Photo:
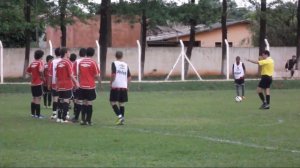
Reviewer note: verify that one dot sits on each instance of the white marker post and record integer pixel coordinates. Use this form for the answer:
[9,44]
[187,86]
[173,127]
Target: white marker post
[183,56]
[139,60]
[50,48]
[1,60]
[267,45]
[227,59]
[98,53]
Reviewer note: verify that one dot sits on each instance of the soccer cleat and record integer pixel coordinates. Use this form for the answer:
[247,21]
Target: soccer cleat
[58,120]
[83,123]
[266,106]
[74,120]
[89,123]
[40,117]
[243,97]
[262,106]
[64,121]
[120,121]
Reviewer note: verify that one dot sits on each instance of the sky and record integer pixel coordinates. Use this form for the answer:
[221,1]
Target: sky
[240,3]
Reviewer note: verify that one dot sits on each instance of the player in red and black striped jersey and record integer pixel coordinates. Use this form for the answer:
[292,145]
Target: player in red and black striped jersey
[65,81]
[120,79]
[88,70]
[47,93]
[35,70]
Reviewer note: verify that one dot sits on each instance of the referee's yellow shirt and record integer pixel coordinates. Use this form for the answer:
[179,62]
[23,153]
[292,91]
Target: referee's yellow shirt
[267,66]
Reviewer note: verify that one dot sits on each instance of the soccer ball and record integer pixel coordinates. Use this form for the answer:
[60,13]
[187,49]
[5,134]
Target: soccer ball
[238,99]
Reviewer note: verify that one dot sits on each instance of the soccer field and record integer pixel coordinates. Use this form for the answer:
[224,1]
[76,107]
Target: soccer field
[172,128]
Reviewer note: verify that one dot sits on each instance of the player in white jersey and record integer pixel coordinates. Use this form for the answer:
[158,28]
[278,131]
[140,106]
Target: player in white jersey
[52,82]
[120,78]
[77,101]
[238,73]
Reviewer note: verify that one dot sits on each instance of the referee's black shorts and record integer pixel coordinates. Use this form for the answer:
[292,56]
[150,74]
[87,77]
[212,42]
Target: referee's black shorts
[265,82]
[37,91]
[118,95]
[87,94]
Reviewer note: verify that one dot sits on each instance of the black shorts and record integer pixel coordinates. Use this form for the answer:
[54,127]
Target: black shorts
[87,94]
[45,89]
[76,93]
[118,95]
[54,93]
[66,94]
[265,82]
[37,91]
[239,81]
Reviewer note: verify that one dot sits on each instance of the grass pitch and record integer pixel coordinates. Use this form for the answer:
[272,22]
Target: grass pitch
[179,127]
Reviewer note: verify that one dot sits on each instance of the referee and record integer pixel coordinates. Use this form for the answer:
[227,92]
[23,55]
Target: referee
[267,70]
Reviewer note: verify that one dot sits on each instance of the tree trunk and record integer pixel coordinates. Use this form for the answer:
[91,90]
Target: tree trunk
[263,26]
[143,37]
[63,6]
[224,36]
[191,43]
[298,35]
[27,13]
[103,36]
[109,31]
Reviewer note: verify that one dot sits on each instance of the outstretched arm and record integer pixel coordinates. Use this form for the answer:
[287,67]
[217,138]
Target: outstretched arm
[252,61]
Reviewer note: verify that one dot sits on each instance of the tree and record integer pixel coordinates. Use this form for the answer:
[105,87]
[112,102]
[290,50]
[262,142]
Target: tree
[66,12]
[143,34]
[224,35]
[205,12]
[298,33]
[27,15]
[191,43]
[263,26]
[104,12]
[63,6]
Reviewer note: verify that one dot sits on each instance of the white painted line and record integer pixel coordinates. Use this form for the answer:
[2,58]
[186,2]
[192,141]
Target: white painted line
[212,139]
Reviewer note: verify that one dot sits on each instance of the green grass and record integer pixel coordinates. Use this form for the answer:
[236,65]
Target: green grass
[179,127]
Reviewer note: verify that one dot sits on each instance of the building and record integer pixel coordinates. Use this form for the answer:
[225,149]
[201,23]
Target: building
[85,34]
[238,33]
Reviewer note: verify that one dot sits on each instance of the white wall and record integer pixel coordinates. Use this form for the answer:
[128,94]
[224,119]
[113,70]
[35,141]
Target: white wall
[159,61]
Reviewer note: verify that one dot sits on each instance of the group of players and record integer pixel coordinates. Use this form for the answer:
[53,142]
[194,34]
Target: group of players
[66,78]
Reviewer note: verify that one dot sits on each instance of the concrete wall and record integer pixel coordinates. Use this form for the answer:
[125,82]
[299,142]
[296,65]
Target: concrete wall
[159,61]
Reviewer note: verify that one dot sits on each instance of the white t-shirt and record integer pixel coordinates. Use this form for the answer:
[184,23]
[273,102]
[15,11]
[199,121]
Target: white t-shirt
[238,70]
[54,65]
[121,72]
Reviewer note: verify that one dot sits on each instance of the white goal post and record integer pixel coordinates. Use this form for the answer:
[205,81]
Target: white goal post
[139,60]
[267,45]
[98,53]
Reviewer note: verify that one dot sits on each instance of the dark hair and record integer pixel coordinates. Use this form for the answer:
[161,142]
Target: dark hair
[63,52]
[294,56]
[48,58]
[266,52]
[90,52]
[38,54]
[82,52]
[57,52]
[73,57]
[119,54]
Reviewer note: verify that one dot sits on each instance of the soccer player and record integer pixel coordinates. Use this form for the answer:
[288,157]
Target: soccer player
[77,101]
[64,84]
[291,65]
[120,79]
[35,70]
[238,72]
[267,70]
[88,71]
[47,93]
[52,82]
